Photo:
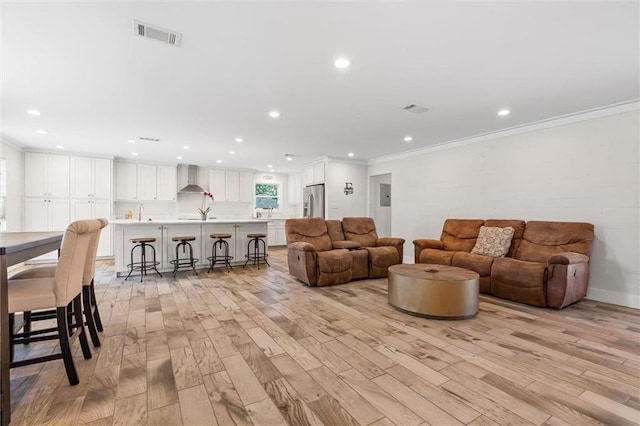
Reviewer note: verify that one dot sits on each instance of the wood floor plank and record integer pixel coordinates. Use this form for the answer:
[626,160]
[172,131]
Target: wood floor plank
[131,411]
[161,384]
[291,406]
[166,416]
[246,383]
[195,406]
[226,403]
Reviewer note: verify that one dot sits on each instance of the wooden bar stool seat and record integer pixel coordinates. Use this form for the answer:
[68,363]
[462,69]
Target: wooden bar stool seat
[143,265]
[185,262]
[256,255]
[220,251]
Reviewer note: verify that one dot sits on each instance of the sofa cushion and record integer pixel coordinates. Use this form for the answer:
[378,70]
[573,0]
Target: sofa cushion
[519,280]
[439,257]
[360,229]
[544,239]
[518,230]
[473,262]
[334,267]
[380,258]
[492,241]
[311,230]
[334,228]
[460,234]
[360,267]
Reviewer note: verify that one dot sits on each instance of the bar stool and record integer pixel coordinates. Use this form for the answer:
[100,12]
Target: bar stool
[144,264]
[257,256]
[185,261]
[223,246]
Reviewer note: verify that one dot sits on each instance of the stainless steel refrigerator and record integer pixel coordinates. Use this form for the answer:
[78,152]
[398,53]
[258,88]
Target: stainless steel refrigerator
[313,201]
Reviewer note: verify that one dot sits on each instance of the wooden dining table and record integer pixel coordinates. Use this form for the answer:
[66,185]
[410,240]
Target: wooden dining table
[16,247]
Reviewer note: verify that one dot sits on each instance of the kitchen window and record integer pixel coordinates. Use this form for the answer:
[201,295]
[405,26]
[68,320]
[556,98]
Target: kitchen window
[267,196]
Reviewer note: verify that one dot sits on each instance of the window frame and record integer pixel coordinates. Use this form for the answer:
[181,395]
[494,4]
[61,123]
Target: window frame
[278,195]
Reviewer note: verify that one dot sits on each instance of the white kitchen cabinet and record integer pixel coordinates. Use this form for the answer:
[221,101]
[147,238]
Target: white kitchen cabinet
[145,182]
[314,174]
[46,214]
[94,209]
[218,185]
[275,233]
[231,186]
[294,188]
[247,190]
[167,182]
[90,177]
[46,175]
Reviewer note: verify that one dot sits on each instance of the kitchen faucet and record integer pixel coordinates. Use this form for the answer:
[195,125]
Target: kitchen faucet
[140,210]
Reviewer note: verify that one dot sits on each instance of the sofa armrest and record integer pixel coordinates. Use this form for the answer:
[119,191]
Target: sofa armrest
[350,245]
[421,244]
[301,246]
[567,258]
[389,241]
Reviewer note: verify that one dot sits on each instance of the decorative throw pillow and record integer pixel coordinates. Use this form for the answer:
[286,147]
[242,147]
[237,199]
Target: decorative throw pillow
[494,242]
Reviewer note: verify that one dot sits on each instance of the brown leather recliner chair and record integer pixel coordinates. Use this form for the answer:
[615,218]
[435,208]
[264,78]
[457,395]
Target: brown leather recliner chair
[311,256]
[383,252]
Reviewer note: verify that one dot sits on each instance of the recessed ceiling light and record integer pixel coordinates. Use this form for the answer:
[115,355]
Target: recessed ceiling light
[408,138]
[289,158]
[178,158]
[218,161]
[41,132]
[34,112]
[270,166]
[232,152]
[60,146]
[504,112]
[239,140]
[134,153]
[185,147]
[274,114]
[131,141]
[341,63]
[351,154]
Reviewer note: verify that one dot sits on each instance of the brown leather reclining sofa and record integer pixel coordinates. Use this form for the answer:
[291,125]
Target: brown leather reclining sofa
[325,252]
[547,263]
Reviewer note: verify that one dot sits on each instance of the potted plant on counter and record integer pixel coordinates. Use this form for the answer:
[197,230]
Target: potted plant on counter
[207,198]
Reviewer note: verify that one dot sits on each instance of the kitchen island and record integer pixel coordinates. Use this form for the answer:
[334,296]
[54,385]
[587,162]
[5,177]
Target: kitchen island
[163,230]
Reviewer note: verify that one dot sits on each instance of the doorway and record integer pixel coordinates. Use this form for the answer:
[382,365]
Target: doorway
[380,203]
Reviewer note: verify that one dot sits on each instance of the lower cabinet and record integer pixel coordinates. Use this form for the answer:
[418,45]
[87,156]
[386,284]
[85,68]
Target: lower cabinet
[166,248]
[276,234]
[89,208]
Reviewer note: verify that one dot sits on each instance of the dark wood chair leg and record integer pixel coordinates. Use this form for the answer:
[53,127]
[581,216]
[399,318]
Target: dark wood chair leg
[94,308]
[65,348]
[27,325]
[82,335]
[12,325]
[88,315]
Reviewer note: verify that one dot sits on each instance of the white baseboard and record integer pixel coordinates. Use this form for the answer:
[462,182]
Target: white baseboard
[614,297]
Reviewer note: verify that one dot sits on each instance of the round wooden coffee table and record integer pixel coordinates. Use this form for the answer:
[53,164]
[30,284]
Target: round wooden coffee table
[434,291]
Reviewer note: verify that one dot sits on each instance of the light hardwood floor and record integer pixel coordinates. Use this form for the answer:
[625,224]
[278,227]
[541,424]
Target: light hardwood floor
[258,347]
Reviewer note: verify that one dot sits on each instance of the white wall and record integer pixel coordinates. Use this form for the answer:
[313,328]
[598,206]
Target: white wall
[582,171]
[340,205]
[381,214]
[15,185]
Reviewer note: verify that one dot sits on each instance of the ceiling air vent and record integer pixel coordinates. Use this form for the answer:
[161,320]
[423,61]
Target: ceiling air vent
[416,108]
[142,138]
[151,31]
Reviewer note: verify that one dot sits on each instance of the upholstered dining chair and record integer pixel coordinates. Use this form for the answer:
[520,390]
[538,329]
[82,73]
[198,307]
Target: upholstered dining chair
[89,304]
[59,291]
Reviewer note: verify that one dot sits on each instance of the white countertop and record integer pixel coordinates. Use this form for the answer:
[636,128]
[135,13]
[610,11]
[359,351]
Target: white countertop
[184,221]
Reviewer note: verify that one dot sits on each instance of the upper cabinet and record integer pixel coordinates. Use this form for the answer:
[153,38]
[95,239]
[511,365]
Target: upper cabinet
[231,186]
[145,182]
[313,174]
[294,186]
[90,177]
[46,175]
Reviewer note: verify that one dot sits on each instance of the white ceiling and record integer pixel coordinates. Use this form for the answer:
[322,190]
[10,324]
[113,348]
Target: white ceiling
[97,85]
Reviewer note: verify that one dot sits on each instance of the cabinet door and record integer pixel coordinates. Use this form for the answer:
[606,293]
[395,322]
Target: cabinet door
[102,209]
[58,176]
[167,183]
[233,186]
[318,173]
[147,182]
[102,178]
[126,181]
[59,214]
[36,215]
[294,189]
[35,175]
[247,190]
[218,185]
[308,175]
[82,209]
[82,177]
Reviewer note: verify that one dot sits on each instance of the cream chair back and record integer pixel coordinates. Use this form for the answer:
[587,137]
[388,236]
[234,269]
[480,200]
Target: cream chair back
[90,264]
[73,254]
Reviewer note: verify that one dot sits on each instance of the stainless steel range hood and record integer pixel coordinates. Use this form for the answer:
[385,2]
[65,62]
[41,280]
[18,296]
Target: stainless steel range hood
[191,186]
